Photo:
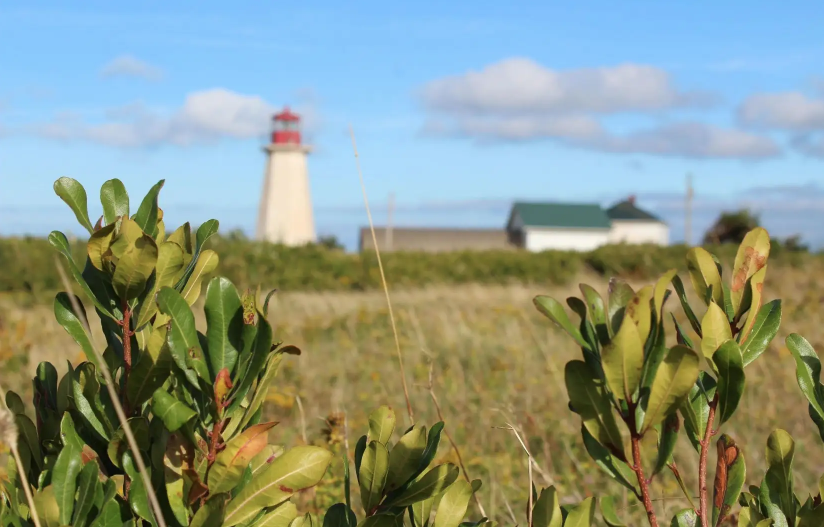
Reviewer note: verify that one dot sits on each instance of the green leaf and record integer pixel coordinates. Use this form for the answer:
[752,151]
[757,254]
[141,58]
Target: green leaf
[212,513]
[616,469]
[685,518]
[756,286]
[169,263]
[146,215]
[421,512]
[695,409]
[230,463]
[204,232]
[619,295]
[405,457]
[751,257]
[84,406]
[58,241]
[597,312]
[660,293]
[429,485]
[206,263]
[731,379]
[590,401]
[88,484]
[379,520]
[66,469]
[381,425]
[262,388]
[182,338]
[779,478]
[675,377]
[666,442]
[715,330]
[115,200]
[138,497]
[261,348]
[73,193]
[170,410]
[66,317]
[99,248]
[151,370]
[339,515]
[47,508]
[297,469]
[731,472]
[554,311]
[547,509]
[685,305]
[224,316]
[360,449]
[623,360]
[583,515]
[608,513]
[808,375]
[764,328]
[134,268]
[453,504]
[372,474]
[284,513]
[639,309]
[704,274]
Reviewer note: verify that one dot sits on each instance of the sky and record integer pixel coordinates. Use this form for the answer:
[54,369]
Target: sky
[458,108]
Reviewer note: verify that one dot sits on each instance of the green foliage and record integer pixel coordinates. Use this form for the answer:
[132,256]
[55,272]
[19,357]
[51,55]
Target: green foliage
[399,479]
[191,400]
[28,264]
[731,227]
[632,384]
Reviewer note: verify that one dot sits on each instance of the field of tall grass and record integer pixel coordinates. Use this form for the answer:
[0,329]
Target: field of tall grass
[482,358]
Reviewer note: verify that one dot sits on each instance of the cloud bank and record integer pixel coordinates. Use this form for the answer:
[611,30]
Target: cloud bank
[129,66]
[518,99]
[204,117]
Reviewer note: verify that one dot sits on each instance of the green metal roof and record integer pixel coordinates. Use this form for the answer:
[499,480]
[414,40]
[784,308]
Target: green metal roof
[626,210]
[563,215]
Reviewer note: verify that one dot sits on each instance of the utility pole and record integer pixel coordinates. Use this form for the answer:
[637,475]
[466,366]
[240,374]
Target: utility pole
[390,205]
[688,212]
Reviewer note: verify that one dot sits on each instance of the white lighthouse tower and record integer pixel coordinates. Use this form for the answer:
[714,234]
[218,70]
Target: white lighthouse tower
[285,214]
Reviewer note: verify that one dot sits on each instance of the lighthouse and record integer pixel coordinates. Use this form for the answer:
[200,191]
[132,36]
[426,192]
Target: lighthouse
[285,213]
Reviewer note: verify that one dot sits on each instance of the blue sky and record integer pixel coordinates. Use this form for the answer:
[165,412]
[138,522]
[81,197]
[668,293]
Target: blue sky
[458,107]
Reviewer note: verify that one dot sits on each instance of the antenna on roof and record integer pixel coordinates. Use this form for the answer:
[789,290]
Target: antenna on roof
[688,212]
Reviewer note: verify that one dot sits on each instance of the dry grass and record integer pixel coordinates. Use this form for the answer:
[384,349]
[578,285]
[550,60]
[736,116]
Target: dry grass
[496,361]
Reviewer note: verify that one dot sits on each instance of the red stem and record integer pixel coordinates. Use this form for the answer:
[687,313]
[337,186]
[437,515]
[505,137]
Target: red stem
[703,513]
[642,481]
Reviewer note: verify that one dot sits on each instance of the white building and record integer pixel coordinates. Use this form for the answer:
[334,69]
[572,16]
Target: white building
[582,226]
[285,213]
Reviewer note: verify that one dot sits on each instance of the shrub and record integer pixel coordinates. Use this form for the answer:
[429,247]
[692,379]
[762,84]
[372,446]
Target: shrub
[164,427]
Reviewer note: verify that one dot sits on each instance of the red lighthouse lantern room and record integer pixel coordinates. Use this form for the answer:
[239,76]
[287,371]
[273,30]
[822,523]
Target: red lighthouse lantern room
[286,128]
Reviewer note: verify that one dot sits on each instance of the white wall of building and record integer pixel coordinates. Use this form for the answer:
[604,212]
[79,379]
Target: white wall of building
[285,214]
[542,239]
[637,231]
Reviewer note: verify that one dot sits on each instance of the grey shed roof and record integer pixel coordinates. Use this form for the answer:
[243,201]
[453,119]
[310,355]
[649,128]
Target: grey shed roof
[561,215]
[626,210]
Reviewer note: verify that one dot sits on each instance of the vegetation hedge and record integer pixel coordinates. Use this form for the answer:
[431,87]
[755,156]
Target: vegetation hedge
[28,264]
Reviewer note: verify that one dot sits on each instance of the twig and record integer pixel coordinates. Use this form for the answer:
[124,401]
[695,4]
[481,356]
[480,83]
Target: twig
[642,481]
[451,441]
[12,441]
[302,420]
[383,278]
[121,415]
[703,513]
[529,469]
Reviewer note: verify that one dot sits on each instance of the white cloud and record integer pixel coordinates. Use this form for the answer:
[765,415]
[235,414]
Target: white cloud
[518,99]
[522,85]
[788,111]
[129,66]
[205,117]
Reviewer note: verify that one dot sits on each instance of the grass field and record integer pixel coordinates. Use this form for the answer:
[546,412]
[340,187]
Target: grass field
[494,361]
